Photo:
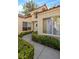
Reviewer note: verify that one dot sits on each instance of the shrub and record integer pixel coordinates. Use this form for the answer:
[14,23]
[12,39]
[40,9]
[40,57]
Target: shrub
[24,33]
[46,40]
[25,50]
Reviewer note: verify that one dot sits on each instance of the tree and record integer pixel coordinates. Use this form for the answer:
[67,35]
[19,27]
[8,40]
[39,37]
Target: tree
[29,6]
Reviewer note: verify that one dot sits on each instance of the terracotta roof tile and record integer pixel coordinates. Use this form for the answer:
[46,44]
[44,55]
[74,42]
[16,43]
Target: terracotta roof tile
[22,16]
[49,9]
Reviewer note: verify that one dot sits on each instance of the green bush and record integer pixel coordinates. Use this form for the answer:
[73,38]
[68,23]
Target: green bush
[24,33]
[25,50]
[47,40]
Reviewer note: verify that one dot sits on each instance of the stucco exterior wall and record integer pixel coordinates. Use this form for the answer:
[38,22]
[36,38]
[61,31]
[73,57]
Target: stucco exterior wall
[20,20]
[29,19]
[37,10]
[20,23]
[47,14]
[39,19]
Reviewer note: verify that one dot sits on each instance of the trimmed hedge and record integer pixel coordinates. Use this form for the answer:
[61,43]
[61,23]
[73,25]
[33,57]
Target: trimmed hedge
[25,50]
[46,40]
[24,33]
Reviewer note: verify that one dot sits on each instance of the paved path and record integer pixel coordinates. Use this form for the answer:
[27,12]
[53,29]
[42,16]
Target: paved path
[41,51]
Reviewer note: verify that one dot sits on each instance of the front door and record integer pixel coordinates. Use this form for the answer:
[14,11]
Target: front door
[35,26]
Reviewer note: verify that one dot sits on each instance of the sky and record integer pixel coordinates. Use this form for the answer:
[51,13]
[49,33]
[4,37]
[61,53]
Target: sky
[49,3]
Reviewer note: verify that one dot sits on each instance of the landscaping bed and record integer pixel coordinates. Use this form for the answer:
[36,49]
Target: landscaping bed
[46,40]
[24,33]
[25,50]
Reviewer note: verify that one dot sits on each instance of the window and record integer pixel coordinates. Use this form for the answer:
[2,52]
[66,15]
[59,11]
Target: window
[44,26]
[47,26]
[26,26]
[56,28]
[51,25]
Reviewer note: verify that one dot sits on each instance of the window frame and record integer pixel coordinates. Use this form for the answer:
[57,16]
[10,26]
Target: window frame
[25,27]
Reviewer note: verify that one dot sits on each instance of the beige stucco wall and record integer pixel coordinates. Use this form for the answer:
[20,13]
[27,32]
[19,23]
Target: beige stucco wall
[37,10]
[20,22]
[41,16]
[47,14]
[29,19]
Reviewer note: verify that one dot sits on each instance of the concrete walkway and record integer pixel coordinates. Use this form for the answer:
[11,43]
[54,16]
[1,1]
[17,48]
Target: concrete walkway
[41,51]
